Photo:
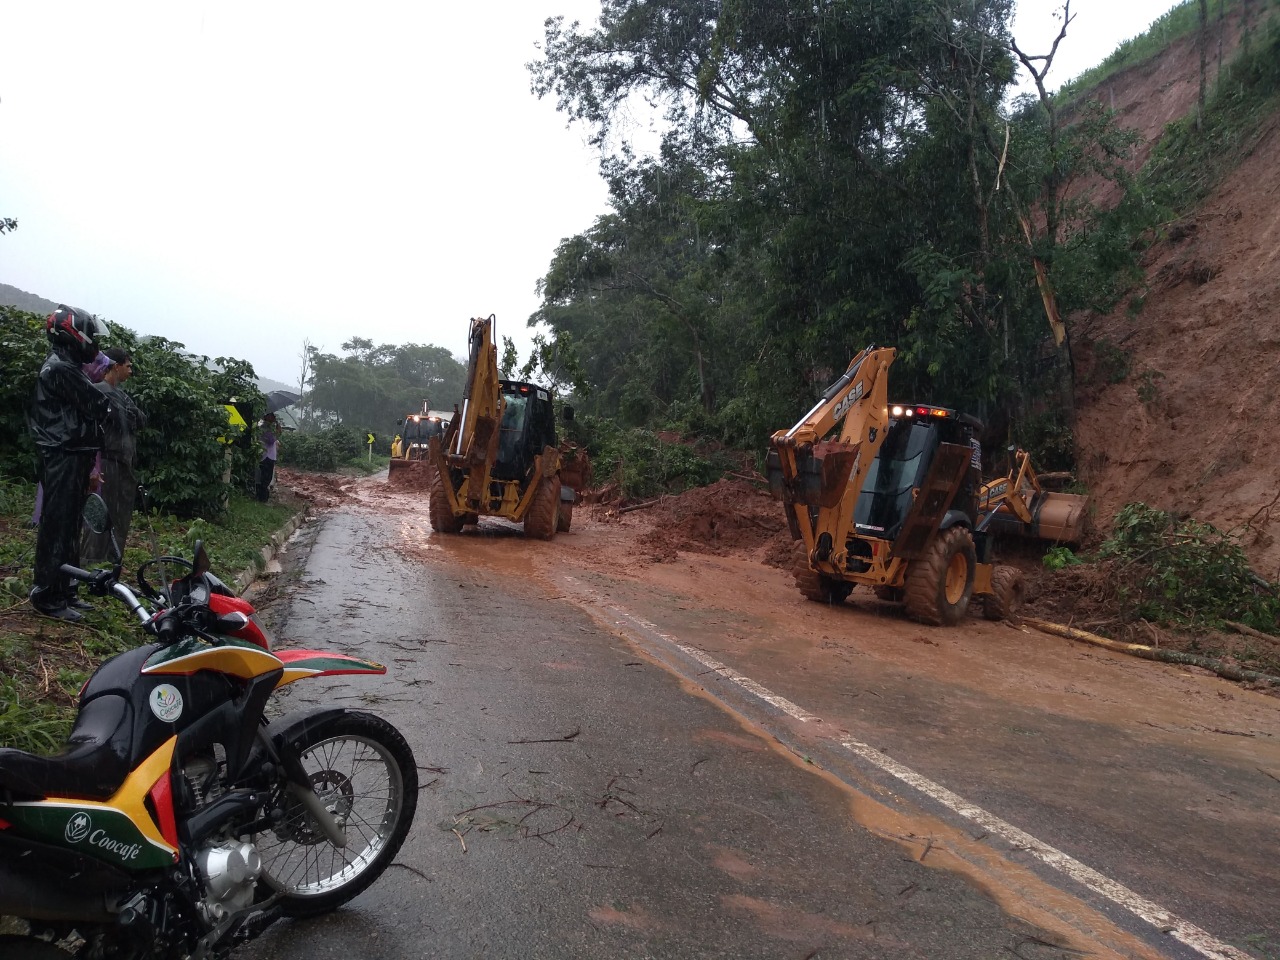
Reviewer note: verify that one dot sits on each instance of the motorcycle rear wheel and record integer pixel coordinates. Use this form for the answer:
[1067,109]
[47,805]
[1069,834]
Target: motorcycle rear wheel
[363,770]
[30,948]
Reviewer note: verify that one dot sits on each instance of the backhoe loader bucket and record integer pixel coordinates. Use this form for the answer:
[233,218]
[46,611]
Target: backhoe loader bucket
[408,473]
[1055,517]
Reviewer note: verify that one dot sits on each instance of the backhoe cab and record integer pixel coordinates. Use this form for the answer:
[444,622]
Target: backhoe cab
[890,502]
[499,455]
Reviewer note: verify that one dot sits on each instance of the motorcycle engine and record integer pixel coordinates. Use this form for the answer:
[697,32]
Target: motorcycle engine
[230,871]
[230,868]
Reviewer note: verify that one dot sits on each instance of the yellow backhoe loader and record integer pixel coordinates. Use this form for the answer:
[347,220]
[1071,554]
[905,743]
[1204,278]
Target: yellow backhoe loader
[410,467]
[887,496]
[499,455]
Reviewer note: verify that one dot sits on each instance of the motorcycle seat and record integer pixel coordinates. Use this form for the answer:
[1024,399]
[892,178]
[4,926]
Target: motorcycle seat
[92,765]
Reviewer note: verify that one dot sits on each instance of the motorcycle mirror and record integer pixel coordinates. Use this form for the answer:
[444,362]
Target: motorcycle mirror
[96,515]
[200,562]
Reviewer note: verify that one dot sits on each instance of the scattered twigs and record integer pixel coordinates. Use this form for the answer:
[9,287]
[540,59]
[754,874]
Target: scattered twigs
[405,866]
[460,840]
[565,739]
[643,505]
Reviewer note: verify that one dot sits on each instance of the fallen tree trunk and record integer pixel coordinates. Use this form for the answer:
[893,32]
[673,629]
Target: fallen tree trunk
[1228,670]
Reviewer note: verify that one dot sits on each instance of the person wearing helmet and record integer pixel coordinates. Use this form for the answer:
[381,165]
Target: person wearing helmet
[66,424]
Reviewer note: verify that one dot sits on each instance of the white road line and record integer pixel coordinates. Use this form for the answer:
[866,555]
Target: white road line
[1188,933]
[1195,938]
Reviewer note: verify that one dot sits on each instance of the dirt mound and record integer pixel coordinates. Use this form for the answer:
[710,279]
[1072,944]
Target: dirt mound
[321,490]
[728,517]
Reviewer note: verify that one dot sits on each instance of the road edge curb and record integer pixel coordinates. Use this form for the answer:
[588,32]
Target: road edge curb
[268,553]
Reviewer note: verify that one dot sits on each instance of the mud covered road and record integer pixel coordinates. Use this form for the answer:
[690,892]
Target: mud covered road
[632,751]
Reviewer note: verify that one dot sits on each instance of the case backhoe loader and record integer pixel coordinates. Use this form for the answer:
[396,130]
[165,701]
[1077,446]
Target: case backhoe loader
[499,455]
[889,502]
[416,431]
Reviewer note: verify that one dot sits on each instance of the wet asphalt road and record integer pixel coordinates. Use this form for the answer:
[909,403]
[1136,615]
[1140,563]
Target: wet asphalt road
[580,800]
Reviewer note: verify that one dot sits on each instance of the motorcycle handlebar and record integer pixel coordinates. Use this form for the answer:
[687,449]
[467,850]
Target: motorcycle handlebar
[103,582]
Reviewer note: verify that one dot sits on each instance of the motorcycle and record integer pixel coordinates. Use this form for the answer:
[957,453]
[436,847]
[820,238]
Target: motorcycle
[179,821]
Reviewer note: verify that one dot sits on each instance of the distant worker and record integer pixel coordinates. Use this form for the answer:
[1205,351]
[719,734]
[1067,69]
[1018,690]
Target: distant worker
[66,425]
[270,449]
[396,448]
[119,450]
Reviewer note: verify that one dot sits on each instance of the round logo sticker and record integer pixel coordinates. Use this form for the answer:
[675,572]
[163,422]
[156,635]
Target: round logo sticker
[166,702]
[78,827]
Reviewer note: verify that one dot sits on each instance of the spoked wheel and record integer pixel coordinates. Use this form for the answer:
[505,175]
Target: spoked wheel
[363,771]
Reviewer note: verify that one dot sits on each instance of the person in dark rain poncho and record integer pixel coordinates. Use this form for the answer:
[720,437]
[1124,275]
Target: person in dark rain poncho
[119,445]
[66,424]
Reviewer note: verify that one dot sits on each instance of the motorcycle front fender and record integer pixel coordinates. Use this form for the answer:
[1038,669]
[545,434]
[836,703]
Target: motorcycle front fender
[300,664]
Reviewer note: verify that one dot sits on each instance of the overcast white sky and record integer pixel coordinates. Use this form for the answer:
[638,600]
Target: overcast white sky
[241,176]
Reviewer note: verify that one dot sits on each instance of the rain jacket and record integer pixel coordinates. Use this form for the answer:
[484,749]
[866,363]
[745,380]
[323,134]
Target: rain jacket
[68,411]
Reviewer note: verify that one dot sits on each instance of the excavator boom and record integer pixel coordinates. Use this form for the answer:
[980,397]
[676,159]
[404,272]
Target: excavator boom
[808,470]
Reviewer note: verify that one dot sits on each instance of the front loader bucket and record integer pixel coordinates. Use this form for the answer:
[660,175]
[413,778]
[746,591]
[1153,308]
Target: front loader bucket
[408,473]
[1055,517]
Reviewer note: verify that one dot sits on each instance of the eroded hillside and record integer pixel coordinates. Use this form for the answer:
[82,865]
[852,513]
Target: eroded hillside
[1186,419]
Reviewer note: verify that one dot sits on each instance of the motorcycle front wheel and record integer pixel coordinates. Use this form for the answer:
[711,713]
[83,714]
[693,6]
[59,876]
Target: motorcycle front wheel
[363,771]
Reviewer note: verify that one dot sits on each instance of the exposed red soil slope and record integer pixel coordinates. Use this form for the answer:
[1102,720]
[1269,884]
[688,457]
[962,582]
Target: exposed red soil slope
[1191,428]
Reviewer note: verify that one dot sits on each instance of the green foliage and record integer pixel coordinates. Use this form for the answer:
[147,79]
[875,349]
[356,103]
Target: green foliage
[369,388]
[1182,571]
[180,458]
[23,348]
[1189,162]
[1057,558]
[1047,436]
[323,450]
[28,722]
[642,463]
[830,184]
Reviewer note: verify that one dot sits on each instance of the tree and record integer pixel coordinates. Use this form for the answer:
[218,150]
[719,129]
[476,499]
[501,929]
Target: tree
[371,387]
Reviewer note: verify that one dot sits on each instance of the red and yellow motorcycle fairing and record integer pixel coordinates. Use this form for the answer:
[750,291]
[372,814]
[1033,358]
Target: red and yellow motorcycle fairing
[300,664]
[240,658]
[119,830]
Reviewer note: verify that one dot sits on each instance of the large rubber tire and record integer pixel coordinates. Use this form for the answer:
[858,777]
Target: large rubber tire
[940,583]
[363,770]
[888,594]
[442,517]
[1008,591]
[541,520]
[29,948]
[564,519]
[816,586]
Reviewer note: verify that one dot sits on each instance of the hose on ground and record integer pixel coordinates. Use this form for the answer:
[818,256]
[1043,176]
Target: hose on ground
[1226,670]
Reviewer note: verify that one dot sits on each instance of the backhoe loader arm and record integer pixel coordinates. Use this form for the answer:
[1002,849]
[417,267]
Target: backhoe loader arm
[471,442]
[818,479]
